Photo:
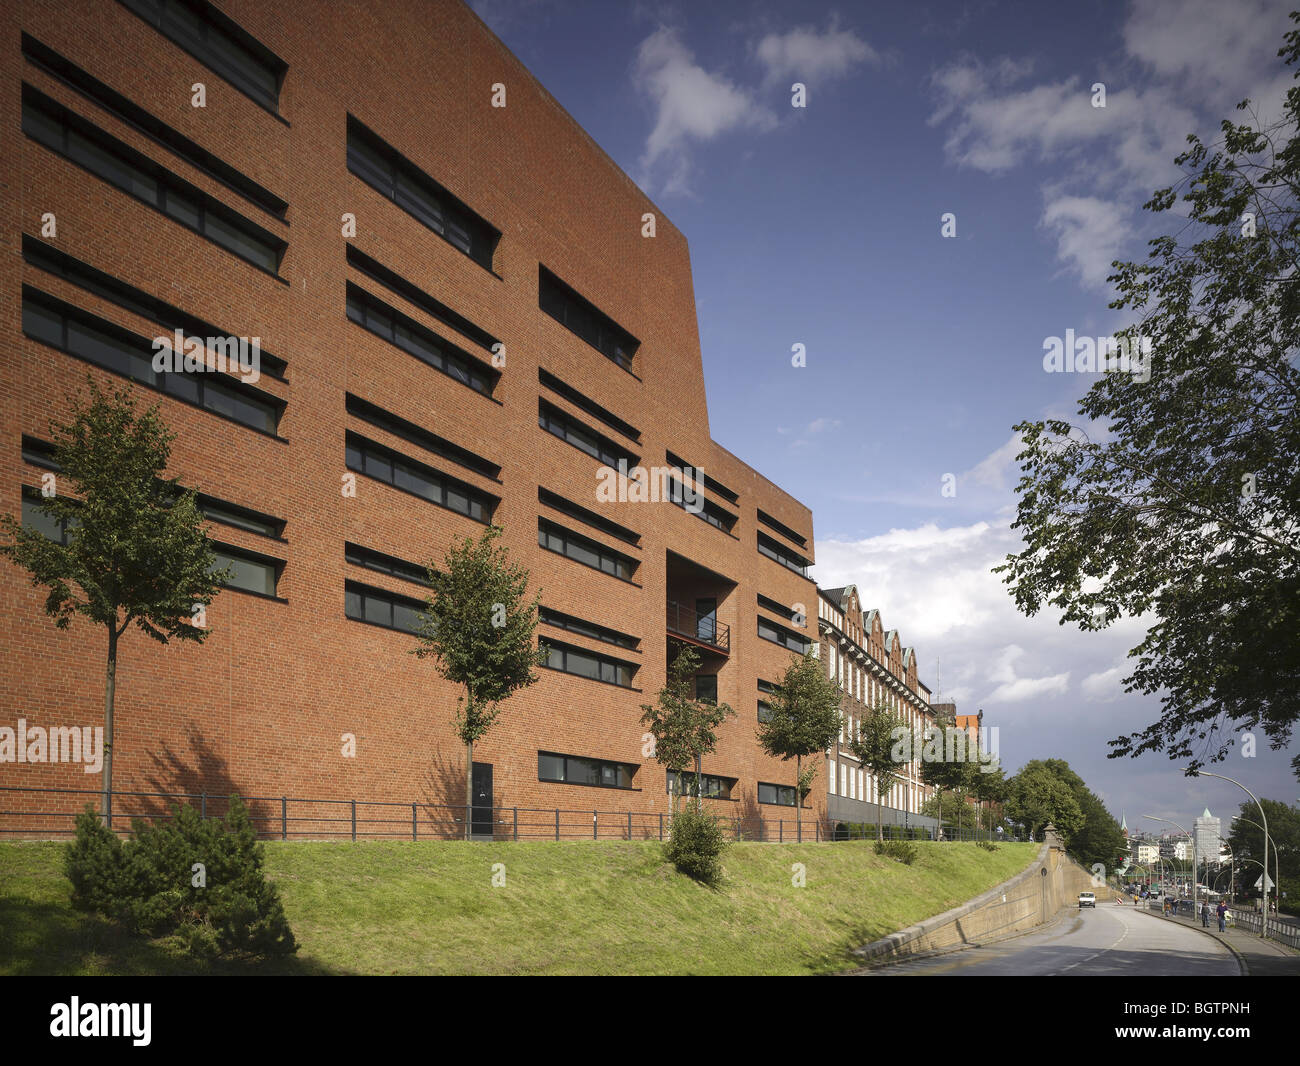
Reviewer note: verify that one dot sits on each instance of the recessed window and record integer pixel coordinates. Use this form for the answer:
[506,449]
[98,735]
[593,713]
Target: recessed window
[582,437]
[100,342]
[583,318]
[53,125]
[694,504]
[362,603]
[711,786]
[586,403]
[582,550]
[36,518]
[764,711]
[249,572]
[568,507]
[780,635]
[417,435]
[568,622]
[787,558]
[374,460]
[706,688]
[575,770]
[385,564]
[781,795]
[570,660]
[781,528]
[380,166]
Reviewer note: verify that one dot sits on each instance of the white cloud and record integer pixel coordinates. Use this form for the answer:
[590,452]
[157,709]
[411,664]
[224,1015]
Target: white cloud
[1090,233]
[692,105]
[1106,686]
[805,55]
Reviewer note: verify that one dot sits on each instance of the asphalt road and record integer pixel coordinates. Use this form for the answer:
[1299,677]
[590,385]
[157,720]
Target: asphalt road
[1108,941]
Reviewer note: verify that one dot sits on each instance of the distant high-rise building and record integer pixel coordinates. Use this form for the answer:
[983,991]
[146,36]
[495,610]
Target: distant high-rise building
[1205,831]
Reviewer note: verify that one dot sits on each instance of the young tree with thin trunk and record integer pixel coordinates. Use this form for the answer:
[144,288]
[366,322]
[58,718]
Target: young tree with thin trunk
[805,720]
[130,547]
[683,727]
[882,745]
[479,627]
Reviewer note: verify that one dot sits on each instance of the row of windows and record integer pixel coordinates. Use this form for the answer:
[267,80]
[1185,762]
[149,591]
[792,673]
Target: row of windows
[53,125]
[219,43]
[374,460]
[397,284]
[393,326]
[573,770]
[570,430]
[715,487]
[711,786]
[586,403]
[781,528]
[409,431]
[776,607]
[781,795]
[588,629]
[111,100]
[581,550]
[137,301]
[780,635]
[91,338]
[583,318]
[365,604]
[570,660]
[708,510]
[380,166]
[605,525]
[385,564]
[250,572]
[783,555]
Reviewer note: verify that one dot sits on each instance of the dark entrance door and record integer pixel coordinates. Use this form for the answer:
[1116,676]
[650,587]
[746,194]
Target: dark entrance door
[706,621]
[481,785]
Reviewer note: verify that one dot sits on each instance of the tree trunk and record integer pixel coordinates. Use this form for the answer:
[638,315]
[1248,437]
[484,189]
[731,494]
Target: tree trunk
[469,786]
[798,798]
[880,832]
[110,687]
[699,784]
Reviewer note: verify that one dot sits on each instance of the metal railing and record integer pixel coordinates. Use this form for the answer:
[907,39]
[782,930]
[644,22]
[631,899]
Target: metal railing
[702,627]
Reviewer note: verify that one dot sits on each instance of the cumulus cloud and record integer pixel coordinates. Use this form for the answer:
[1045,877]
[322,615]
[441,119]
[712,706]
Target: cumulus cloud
[1106,686]
[803,54]
[1090,234]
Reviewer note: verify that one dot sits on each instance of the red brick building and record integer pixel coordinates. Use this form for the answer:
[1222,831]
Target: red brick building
[465,311]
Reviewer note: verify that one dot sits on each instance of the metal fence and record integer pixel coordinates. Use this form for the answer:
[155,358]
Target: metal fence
[43,813]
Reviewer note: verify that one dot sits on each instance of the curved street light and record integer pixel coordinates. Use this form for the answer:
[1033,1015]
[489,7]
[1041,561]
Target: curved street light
[1263,923]
[1193,840]
[1277,863]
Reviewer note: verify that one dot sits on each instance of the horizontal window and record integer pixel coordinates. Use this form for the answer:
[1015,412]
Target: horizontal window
[764,711]
[769,687]
[108,346]
[396,283]
[230,514]
[218,43]
[573,770]
[111,100]
[787,558]
[780,635]
[715,487]
[588,629]
[53,125]
[569,429]
[362,603]
[784,530]
[381,167]
[701,508]
[585,403]
[570,660]
[581,550]
[385,564]
[249,572]
[583,318]
[778,608]
[409,431]
[36,518]
[706,688]
[711,786]
[128,297]
[374,460]
[568,507]
[405,333]
[39,453]
[782,795]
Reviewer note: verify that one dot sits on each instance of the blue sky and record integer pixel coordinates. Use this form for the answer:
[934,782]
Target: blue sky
[822,226]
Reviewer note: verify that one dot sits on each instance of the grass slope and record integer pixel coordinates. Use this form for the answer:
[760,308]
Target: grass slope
[567,908]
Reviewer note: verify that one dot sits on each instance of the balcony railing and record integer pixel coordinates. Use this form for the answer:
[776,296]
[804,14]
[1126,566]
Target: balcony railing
[702,628]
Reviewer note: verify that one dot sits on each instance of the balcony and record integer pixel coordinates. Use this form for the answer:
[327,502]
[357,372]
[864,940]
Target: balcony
[702,629]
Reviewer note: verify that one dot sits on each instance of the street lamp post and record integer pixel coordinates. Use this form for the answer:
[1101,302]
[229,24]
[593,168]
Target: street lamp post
[1277,863]
[1193,840]
[1263,925]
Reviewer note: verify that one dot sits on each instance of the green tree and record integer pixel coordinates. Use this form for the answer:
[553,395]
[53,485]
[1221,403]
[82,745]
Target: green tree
[683,727]
[805,720]
[479,627]
[1037,796]
[938,770]
[882,745]
[1247,842]
[132,547]
[1178,498]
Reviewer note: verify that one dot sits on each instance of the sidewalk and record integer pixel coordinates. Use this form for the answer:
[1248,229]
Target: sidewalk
[1259,957]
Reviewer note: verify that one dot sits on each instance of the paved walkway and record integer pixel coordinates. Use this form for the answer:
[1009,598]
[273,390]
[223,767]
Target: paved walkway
[1259,957]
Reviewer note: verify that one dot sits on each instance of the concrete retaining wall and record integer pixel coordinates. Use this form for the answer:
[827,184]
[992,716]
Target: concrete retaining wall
[1029,899]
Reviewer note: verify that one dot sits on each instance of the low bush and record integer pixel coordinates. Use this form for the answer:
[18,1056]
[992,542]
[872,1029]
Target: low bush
[199,879]
[695,845]
[987,845]
[903,851]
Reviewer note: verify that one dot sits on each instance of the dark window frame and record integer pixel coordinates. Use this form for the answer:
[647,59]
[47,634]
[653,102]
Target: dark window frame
[383,563]
[565,650]
[592,630]
[547,528]
[380,418]
[586,403]
[559,423]
[562,302]
[446,482]
[598,764]
[780,790]
[567,507]
[370,592]
[782,555]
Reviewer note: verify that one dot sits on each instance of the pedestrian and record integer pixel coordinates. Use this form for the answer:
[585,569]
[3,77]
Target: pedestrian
[1205,915]
[1221,910]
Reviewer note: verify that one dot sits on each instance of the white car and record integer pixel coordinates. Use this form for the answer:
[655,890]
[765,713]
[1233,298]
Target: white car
[1088,899]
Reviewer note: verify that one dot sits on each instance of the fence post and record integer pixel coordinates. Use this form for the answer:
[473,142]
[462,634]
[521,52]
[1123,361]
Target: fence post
[629,825]
[284,818]
[354,819]
[661,825]
[203,806]
[413,830]
[760,829]
[780,831]
[595,823]
[109,817]
[516,823]
[557,823]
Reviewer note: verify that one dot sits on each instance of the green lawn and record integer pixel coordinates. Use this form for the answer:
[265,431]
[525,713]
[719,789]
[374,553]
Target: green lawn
[567,908]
